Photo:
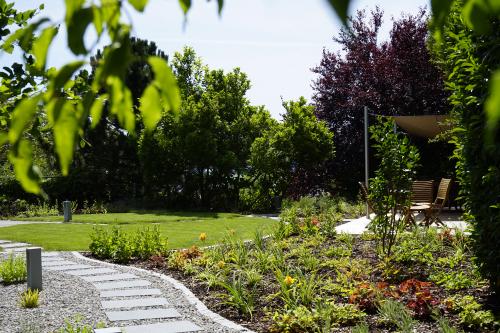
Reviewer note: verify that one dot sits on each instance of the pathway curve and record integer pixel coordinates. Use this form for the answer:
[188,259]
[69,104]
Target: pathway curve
[134,300]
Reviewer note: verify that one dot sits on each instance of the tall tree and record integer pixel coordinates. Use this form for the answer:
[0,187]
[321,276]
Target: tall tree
[394,77]
[299,145]
[106,166]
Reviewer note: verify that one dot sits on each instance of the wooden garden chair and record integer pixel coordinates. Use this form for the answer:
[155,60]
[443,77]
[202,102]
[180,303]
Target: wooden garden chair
[421,200]
[432,214]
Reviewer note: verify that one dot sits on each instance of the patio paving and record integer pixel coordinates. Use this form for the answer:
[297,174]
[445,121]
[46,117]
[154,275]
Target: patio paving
[358,226]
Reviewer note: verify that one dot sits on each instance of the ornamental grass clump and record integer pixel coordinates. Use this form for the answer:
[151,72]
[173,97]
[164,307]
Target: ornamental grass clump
[29,299]
[390,188]
[13,270]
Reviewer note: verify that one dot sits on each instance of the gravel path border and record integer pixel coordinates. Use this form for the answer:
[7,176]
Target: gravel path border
[184,292]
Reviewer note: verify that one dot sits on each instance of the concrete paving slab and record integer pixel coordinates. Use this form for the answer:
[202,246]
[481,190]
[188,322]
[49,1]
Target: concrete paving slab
[12,245]
[134,303]
[67,267]
[354,227]
[92,271]
[121,284]
[110,277]
[52,259]
[170,327]
[130,292]
[58,263]
[142,314]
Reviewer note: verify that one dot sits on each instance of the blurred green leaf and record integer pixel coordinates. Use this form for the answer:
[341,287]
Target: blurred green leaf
[220,4]
[138,4]
[185,5]
[41,46]
[22,116]
[151,107]
[440,11]
[96,110]
[77,26]
[64,75]
[64,118]
[97,19]
[21,157]
[341,7]
[121,103]
[492,104]
[477,16]
[165,81]
[114,62]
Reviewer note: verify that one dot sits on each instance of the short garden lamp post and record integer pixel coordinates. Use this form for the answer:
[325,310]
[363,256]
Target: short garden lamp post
[67,210]
[34,268]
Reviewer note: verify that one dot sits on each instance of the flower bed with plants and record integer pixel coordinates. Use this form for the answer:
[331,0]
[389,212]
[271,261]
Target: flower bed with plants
[306,278]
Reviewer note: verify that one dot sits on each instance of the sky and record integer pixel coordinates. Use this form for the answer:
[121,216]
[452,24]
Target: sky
[276,42]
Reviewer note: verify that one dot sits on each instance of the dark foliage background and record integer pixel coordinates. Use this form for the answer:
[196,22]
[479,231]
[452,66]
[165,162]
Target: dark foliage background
[393,77]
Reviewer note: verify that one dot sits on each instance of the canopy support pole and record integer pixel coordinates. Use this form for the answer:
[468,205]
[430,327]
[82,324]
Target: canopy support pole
[366,158]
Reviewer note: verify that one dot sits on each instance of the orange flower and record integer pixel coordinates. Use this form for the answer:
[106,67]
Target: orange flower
[289,280]
[203,236]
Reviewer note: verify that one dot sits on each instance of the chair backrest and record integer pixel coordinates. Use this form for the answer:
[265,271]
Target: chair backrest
[422,191]
[443,191]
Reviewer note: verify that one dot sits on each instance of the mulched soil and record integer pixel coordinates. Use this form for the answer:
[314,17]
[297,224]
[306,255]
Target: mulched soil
[362,250]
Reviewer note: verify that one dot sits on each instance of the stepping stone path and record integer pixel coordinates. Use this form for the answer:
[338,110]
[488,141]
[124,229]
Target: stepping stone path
[124,296]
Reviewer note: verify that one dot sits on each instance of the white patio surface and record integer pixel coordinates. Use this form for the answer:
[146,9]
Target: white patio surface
[358,226]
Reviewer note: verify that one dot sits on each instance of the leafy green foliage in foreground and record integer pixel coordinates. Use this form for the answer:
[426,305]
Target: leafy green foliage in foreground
[467,59]
[182,229]
[13,270]
[307,278]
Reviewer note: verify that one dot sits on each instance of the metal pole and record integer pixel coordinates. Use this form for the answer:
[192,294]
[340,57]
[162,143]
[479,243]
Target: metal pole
[366,157]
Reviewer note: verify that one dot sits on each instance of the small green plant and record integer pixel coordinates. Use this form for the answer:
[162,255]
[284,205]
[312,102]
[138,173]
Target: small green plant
[76,325]
[29,299]
[396,314]
[470,312]
[444,324]
[361,328]
[238,296]
[13,269]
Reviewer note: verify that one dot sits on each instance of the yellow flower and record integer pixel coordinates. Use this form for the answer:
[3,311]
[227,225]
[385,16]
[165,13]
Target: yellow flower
[221,264]
[289,280]
[203,236]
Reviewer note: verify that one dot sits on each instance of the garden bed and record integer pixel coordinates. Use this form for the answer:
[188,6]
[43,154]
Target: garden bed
[312,281]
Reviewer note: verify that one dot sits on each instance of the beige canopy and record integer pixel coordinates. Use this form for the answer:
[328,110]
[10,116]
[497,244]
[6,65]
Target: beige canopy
[424,126]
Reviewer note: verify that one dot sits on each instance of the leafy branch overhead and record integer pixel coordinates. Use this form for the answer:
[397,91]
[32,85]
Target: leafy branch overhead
[48,93]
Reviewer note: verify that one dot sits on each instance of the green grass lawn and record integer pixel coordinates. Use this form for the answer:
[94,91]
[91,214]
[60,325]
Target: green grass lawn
[181,228]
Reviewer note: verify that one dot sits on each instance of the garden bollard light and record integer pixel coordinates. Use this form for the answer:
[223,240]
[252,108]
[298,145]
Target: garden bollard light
[34,267]
[67,210]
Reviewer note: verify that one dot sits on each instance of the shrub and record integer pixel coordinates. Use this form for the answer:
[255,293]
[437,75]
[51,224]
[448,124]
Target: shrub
[13,269]
[390,189]
[29,299]
[120,246]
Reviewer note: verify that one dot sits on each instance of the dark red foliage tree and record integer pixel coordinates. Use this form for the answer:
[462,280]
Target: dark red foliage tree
[394,77]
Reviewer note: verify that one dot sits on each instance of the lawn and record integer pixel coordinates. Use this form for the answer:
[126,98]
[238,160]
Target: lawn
[181,228]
